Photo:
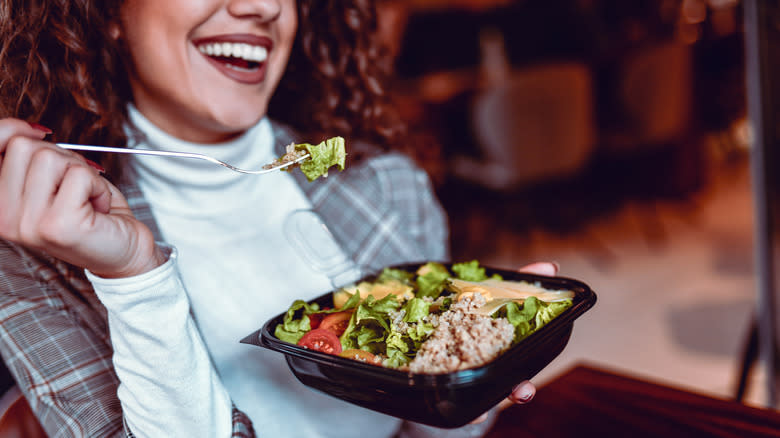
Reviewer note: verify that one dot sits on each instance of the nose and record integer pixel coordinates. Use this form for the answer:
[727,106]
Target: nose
[265,10]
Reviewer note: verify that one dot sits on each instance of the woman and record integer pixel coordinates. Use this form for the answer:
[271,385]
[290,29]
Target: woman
[123,300]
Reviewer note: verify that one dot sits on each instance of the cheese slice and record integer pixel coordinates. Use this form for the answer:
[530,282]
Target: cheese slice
[377,290]
[498,293]
[491,306]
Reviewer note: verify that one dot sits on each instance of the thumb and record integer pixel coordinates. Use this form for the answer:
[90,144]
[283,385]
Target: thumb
[101,195]
[117,201]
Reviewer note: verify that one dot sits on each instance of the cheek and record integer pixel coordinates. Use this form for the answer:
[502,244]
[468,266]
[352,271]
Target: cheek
[287,29]
[160,62]
[164,81]
[160,65]
[287,26]
[229,107]
[156,34]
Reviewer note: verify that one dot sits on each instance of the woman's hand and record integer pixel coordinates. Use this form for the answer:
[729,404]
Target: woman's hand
[525,391]
[54,201]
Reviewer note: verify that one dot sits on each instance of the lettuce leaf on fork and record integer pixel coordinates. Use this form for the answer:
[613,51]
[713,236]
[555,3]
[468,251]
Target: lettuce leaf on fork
[330,152]
[322,157]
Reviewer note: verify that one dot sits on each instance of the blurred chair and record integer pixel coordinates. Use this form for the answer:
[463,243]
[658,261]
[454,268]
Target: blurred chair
[531,124]
[652,98]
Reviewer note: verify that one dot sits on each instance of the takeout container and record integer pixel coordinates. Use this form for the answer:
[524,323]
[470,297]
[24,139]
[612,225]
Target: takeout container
[442,400]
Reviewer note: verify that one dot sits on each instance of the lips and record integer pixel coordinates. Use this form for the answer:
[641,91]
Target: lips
[241,57]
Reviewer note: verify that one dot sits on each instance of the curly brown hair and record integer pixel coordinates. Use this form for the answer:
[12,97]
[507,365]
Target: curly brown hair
[60,67]
[337,70]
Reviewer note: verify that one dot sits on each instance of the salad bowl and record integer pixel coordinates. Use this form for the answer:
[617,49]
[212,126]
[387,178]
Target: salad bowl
[445,400]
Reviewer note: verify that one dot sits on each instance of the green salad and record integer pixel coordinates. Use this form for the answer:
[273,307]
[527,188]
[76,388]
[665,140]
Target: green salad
[412,320]
[322,157]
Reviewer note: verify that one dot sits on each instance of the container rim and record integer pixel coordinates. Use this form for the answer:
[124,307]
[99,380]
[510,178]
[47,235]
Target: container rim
[584,299]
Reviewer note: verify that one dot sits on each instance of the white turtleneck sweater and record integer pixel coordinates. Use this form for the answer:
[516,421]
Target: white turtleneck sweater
[176,329]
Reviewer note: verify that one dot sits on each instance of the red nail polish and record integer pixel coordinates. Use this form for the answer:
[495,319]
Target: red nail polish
[40,127]
[96,166]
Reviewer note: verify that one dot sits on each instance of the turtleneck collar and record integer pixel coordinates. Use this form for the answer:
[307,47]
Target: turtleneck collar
[186,183]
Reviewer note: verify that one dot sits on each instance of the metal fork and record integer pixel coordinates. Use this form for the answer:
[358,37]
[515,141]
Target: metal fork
[267,168]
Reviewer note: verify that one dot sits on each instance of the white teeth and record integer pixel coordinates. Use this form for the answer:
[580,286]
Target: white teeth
[259,53]
[235,50]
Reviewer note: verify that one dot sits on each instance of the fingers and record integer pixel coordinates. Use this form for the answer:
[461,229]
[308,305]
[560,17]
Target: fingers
[480,419]
[542,268]
[505,403]
[10,128]
[118,202]
[83,196]
[55,200]
[523,393]
[79,187]
[31,177]
[16,139]
[36,189]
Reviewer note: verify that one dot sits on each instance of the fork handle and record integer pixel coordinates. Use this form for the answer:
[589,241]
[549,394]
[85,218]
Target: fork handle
[82,147]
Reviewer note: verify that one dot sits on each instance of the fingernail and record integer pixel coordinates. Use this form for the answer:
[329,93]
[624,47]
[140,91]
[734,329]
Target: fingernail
[96,166]
[525,393]
[40,127]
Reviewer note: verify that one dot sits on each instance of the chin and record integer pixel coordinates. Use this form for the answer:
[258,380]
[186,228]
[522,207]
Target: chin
[239,119]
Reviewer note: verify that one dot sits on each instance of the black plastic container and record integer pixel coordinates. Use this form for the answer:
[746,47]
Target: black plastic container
[441,400]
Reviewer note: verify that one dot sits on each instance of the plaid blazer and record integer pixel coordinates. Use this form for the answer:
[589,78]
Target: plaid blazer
[54,331]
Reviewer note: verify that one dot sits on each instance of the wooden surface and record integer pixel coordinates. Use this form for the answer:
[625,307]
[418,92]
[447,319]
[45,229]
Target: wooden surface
[590,402]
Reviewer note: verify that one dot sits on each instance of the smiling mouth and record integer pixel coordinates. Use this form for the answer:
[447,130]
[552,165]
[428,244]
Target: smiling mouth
[237,56]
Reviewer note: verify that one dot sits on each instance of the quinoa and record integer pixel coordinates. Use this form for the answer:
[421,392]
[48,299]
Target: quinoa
[291,154]
[462,339]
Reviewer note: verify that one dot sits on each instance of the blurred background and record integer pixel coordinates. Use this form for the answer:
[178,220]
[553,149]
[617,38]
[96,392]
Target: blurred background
[608,136]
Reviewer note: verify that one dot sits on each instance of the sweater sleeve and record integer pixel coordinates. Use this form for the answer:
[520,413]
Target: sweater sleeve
[168,385]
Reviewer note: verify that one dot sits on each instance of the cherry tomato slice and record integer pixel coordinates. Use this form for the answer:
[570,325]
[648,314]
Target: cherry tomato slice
[336,322]
[361,355]
[321,340]
[315,319]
